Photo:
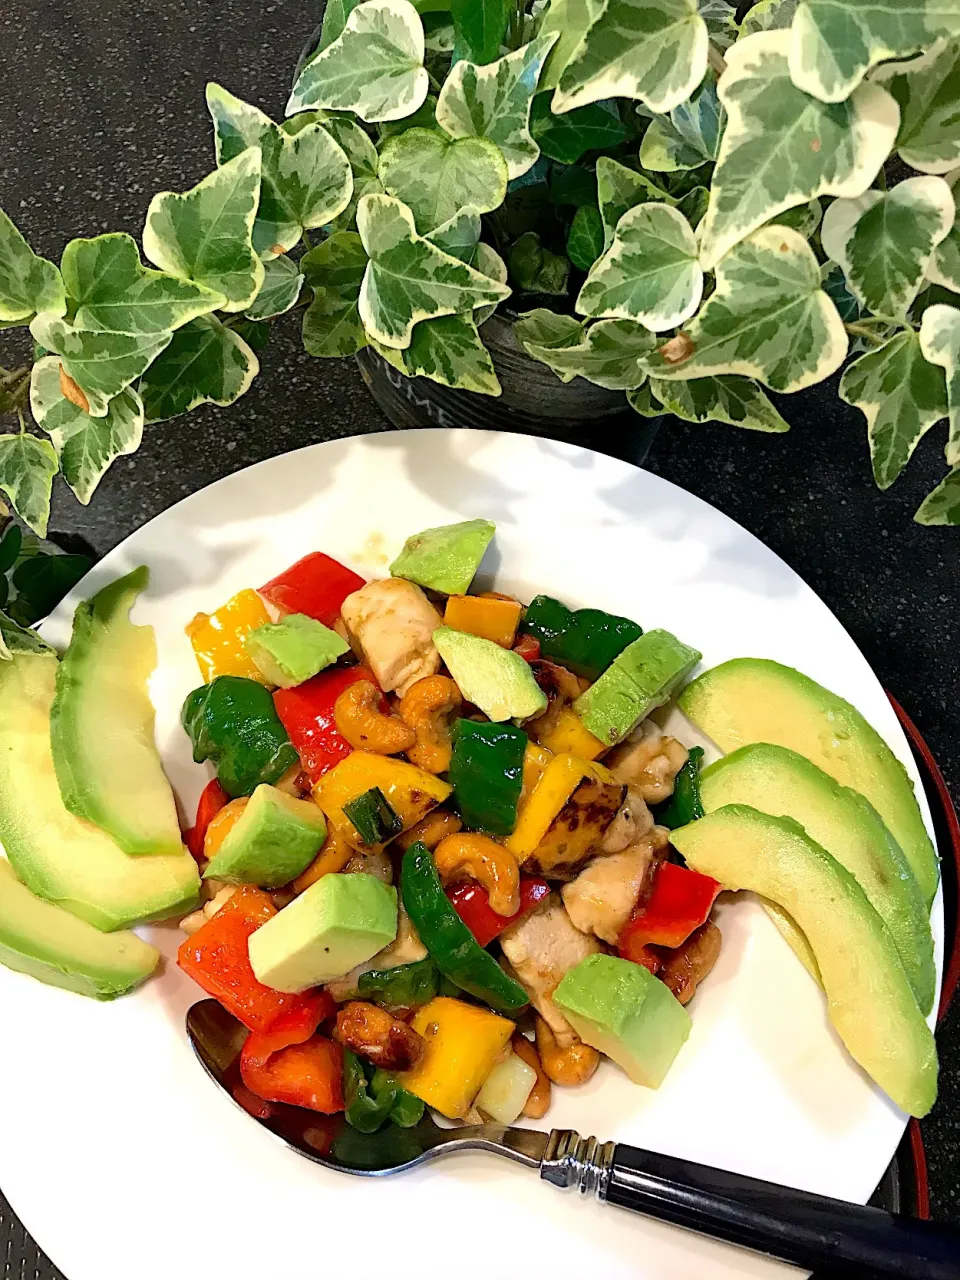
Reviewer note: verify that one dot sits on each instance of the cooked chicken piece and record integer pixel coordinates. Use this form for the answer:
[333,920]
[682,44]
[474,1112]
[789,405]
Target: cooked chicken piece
[541,948]
[633,821]
[391,625]
[372,864]
[605,892]
[404,949]
[648,760]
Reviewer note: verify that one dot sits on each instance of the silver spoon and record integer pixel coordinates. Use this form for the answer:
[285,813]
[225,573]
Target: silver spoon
[795,1226]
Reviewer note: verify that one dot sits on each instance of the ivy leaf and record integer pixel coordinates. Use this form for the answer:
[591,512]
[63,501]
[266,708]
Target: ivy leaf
[436,176]
[335,269]
[689,135]
[929,98]
[480,26]
[335,15]
[373,68]
[654,50]
[205,235]
[804,218]
[459,236]
[606,353]
[489,263]
[449,351]
[279,292]
[944,266]
[620,189]
[834,285]
[306,179]
[644,402]
[408,279]
[10,545]
[425,117]
[769,15]
[737,401]
[101,364]
[41,583]
[573,184]
[17,639]
[567,137]
[206,363]
[543,331]
[901,395]
[355,143]
[940,344]
[585,238]
[781,147]
[942,506]
[649,274]
[85,446]
[884,241]
[537,269]
[27,468]
[694,205]
[114,293]
[570,20]
[836,42]
[494,102]
[721,20]
[28,283]
[768,319]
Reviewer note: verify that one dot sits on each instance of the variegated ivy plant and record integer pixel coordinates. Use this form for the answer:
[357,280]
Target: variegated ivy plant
[684,206]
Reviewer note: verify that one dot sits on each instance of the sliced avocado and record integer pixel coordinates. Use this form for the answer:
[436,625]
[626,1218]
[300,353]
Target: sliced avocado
[274,839]
[869,998]
[446,558]
[625,1012]
[101,725]
[339,922]
[496,680]
[58,856]
[778,781]
[643,677]
[49,943]
[292,650]
[756,700]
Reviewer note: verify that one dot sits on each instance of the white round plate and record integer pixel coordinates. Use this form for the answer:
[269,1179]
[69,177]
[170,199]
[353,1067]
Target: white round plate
[121,1156]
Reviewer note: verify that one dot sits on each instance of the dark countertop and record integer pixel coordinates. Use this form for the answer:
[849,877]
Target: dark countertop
[101,105]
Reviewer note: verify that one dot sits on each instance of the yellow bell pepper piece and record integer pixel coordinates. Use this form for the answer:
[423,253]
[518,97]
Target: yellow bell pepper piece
[569,735]
[485,616]
[218,637]
[560,779]
[463,1044]
[411,792]
[535,760]
[221,824]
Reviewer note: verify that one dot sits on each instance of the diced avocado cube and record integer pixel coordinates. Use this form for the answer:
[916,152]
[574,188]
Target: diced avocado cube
[496,680]
[446,558]
[274,839]
[625,1012]
[341,921]
[291,651]
[643,677]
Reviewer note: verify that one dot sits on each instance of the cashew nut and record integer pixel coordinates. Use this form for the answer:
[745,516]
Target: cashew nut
[360,720]
[561,687]
[477,857]
[430,830]
[565,1066]
[426,708]
[334,855]
[538,1099]
[378,1036]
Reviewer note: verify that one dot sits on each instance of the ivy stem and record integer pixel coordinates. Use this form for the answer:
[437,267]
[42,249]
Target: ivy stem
[860,330]
[14,376]
[308,243]
[716,60]
[435,84]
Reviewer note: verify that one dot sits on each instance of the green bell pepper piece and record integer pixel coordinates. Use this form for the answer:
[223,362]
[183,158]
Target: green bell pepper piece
[407,1109]
[367,1109]
[586,640]
[233,722]
[404,986]
[451,944]
[487,774]
[685,804]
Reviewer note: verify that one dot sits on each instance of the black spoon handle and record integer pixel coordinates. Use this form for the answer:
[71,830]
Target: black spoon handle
[795,1226]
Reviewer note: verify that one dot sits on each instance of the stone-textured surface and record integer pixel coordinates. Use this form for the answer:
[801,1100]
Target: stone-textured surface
[101,105]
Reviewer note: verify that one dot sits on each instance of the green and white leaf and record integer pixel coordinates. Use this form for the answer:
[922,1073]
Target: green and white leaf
[112,292]
[689,135]
[335,15]
[374,67]
[834,284]
[206,234]
[884,241]
[355,143]
[606,353]
[834,43]
[940,344]
[306,179]
[437,177]
[942,506]
[694,205]
[335,270]
[644,402]
[101,364]
[929,98]
[620,189]
[737,401]
[536,269]
[546,331]
[17,639]
[449,351]
[570,20]
[489,263]
[480,27]
[781,147]
[804,218]
[768,319]
[206,363]
[27,468]
[279,292]
[649,274]
[408,279]
[585,237]
[28,283]
[901,395]
[565,138]
[493,102]
[721,20]
[769,15]
[653,50]
[459,235]
[944,267]
[84,445]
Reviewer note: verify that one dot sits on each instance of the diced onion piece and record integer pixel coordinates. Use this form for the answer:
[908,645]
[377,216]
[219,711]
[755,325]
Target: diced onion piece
[506,1089]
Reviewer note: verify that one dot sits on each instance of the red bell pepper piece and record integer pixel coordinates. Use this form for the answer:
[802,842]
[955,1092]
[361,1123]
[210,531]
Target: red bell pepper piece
[299,1023]
[472,904]
[216,957]
[303,1075]
[306,712]
[317,585]
[679,902]
[212,799]
[528,647]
